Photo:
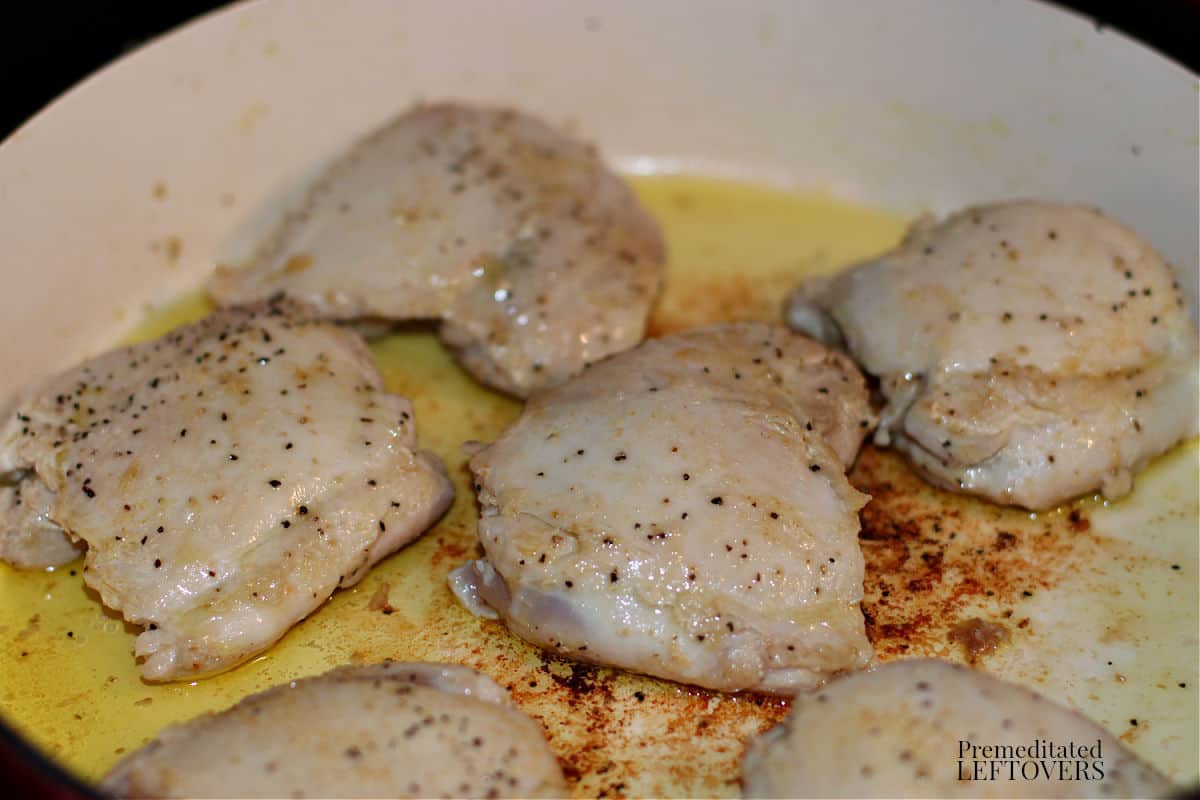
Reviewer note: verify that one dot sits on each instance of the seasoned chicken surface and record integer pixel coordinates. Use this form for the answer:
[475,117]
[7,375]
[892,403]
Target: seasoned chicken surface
[907,729]
[384,730]
[1028,352]
[682,510]
[536,257]
[225,478]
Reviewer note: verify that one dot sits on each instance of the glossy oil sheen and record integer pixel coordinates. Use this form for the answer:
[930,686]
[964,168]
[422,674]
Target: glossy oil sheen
[1095,614]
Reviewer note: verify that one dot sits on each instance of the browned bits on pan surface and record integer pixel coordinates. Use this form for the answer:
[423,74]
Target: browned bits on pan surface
[731,298]
[933,559]
[979,637]
[588,713]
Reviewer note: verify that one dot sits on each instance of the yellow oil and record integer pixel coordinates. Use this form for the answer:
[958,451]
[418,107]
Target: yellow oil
[737,249]
[67,673]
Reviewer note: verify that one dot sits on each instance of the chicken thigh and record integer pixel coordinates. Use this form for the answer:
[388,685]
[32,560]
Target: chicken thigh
[225,479]
[907,729]
[682,510]
[385,730]
[1028,352]
[536,257]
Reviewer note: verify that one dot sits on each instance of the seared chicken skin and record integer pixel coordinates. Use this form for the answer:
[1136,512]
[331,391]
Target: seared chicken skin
[906,730]
[682,510]
[386,730]
[1028,352]
[536,257]
[225,478]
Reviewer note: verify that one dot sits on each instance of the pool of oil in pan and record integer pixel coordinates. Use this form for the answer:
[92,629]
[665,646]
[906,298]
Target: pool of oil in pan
[1097,604]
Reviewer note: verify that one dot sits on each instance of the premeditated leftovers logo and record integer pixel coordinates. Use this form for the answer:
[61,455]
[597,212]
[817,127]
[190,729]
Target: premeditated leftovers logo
[1041,760]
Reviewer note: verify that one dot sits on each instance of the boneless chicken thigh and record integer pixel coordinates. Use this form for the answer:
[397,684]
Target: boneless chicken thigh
[1029,352]
[225,479]
[682,510]
[384,730]
[535,257]
[908,729]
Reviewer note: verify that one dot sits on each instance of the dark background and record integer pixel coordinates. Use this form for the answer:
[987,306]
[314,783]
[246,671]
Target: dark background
[48,47]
